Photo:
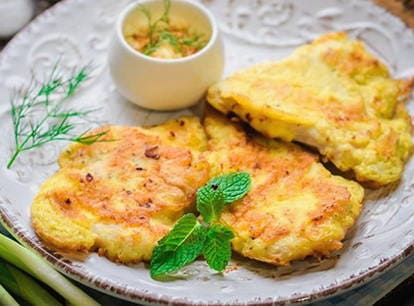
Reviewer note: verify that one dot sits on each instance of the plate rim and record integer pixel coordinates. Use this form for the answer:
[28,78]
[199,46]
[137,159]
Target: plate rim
[110,287]
[107,286]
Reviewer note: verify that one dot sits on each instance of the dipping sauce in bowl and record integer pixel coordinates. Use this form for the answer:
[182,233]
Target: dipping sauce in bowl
[165,55]
[165,36]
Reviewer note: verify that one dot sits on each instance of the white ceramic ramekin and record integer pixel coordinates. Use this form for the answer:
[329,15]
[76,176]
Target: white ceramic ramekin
[166,84]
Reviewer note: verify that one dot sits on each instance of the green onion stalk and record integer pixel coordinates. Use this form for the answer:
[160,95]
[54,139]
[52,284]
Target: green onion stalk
[27,261]
[6,298]
[24,286]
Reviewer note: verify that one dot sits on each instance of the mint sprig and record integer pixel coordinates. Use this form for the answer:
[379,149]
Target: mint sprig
[234,186]
[210,203]
[190,238]
[219,191]
[180,247]
[217,246]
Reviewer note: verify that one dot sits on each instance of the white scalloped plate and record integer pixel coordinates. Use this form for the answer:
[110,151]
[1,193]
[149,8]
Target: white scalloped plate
[78,31]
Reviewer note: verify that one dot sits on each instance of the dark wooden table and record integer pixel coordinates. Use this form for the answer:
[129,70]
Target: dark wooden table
[403,295]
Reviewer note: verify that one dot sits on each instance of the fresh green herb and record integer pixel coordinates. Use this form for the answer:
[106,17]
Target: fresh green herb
[180,247]
[55,122]
[234,186]
[166,15]
[196,41]
[153,44]
[161,30]
[150,49]
[144,10]
[220,191]
[25,260]
[171,39]
[24,286]
[190,238]
[210,204]
[217,247]
[6,298]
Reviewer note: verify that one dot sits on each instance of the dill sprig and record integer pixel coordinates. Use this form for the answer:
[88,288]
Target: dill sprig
[158,32]
[40,116]
[153,26]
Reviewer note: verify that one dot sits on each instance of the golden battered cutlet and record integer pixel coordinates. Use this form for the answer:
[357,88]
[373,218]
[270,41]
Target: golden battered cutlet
[295,208]
[120,197]
[333,95]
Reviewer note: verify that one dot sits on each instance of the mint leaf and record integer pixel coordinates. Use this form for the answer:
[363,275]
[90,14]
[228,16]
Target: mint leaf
[234,186]
[217,247]
[182,245]
[210,203]
[219,191]
[189,238]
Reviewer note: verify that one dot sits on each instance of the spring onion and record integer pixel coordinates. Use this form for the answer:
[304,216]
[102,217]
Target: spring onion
[6,298]
[24,286]
[29,262]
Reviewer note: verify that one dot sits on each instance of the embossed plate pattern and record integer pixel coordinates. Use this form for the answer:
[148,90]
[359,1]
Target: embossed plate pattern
[78,31]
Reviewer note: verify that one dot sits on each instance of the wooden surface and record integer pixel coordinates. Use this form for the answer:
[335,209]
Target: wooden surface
[403,295]
[401,8]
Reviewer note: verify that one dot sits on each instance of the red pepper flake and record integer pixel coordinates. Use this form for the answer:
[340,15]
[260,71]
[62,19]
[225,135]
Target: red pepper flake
[152,152]
[89,177]
[148,204]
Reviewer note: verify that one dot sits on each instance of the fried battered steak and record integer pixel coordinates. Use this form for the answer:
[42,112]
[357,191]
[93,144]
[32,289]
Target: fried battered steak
[333,95]
[295,208]
[120,197]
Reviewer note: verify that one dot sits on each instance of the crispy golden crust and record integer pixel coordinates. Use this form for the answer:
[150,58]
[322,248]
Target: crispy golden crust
[333,95]
[295,208]
[120,197]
